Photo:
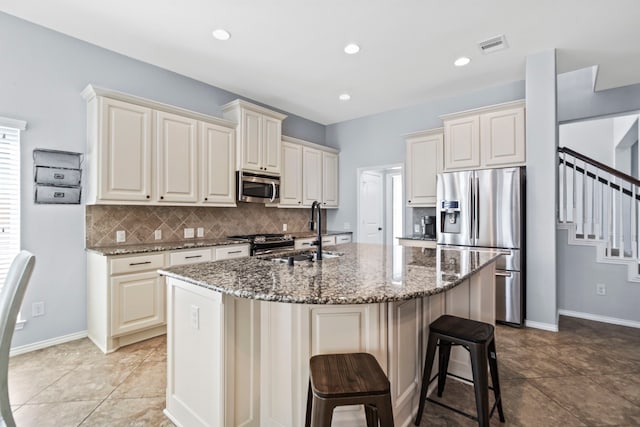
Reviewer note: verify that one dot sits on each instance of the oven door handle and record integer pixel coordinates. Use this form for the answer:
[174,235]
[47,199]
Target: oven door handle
[273,196]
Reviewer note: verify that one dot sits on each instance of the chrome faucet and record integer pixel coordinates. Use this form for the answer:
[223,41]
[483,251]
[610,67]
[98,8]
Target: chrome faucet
[318,242]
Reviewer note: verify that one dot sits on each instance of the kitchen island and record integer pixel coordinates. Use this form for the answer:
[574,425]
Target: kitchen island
[241,332]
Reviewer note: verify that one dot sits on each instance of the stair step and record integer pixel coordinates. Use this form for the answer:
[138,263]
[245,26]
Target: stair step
[589,237]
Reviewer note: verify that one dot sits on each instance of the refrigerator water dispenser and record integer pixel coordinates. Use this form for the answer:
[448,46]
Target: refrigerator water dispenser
[450,216]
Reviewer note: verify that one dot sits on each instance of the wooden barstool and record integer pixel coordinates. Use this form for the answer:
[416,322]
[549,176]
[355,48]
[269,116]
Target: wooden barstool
[347,379]
[478,339]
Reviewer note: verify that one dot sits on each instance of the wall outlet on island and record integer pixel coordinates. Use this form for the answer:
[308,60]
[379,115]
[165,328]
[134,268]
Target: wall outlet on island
[189,233]
[121,236]
[157,234]
[601,289]
[200,232]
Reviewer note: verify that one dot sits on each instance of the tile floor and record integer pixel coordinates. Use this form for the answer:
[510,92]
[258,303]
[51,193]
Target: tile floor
[588,374]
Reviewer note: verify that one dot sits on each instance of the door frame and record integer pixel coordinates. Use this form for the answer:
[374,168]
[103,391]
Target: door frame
[381,169]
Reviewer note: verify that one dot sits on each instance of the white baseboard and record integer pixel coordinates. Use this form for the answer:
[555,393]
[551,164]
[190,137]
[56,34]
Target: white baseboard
[598,318]
[539,325]
[47,343]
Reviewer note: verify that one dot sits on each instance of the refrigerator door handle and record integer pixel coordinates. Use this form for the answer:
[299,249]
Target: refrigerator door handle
[477,202]
[504,273]
[472,208]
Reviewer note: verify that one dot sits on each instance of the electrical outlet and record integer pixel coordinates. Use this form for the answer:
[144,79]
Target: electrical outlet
[195,317]
[188,233]
[121,236]
[284,227]
[200,232]
[416,228]
[347,226]
[37,309]
[157,234]
[601,289]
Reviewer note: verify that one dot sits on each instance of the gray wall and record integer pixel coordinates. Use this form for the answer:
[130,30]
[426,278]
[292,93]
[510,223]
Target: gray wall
[379,140]
[42,74]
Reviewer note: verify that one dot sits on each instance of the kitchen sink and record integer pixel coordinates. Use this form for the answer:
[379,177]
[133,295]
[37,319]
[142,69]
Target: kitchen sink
[305,257]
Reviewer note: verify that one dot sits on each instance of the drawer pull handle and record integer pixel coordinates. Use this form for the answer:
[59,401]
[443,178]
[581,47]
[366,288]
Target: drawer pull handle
[57,194]
[140,263]
[193,256]
[58,176]
[234,252]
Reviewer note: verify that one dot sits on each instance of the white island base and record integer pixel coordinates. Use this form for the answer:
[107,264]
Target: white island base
[244,362]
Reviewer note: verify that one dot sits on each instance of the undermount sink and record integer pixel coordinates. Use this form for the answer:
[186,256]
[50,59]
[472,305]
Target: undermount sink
[308,257]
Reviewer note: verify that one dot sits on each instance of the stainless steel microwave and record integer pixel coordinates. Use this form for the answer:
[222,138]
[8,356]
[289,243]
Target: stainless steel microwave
[256,188]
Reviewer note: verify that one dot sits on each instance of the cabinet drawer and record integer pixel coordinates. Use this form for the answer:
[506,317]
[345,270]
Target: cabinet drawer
[229,252]
[329,240]
[189,257]
[54,176]
[344,238]
[304,243]
[132,264]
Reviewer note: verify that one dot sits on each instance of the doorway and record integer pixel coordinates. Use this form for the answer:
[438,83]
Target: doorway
[380,204]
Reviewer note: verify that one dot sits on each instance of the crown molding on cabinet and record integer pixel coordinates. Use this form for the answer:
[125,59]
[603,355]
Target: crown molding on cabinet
[253,107]
[310,144]
[423,133]
[91,92]
[481,110]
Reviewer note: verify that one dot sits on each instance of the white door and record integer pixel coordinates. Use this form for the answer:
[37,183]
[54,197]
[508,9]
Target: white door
[371,208]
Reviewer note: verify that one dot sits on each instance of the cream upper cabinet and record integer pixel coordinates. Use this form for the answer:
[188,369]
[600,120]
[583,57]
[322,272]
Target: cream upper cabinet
[424,160]
[120,162]
[487,137]
[217,160]
[258,136]
[329,180]
[502,136]
[177,151]
[291,180]
[145,152]
[312,176]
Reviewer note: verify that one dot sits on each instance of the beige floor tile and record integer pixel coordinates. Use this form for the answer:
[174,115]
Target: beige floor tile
[531,362]
[65,414]
[626,385]
[145,412]
[587,400]
[147,380]
[85,383]
[598,359]
[27,382]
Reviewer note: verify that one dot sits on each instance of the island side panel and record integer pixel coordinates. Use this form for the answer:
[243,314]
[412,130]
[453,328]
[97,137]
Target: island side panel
[195,356]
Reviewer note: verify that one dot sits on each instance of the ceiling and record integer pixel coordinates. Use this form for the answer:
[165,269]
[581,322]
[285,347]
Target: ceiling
[289,53]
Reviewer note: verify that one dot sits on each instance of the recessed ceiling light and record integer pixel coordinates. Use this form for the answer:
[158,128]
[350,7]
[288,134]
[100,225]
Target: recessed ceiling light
[462,61]
[221,34]
[344,97]
[351,49]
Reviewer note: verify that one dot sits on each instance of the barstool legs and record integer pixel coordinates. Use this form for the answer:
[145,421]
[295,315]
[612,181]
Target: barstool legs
[443,357]
[493,367]
[426,376]
[480,382]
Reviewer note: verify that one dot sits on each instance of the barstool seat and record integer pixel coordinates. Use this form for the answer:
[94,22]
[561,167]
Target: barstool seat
[347,379]
[478,338]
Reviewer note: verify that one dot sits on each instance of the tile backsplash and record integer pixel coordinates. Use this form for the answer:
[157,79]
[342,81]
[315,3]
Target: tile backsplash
[140,222]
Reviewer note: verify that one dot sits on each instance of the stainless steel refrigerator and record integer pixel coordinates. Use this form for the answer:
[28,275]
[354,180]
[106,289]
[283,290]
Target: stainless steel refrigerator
[485,208]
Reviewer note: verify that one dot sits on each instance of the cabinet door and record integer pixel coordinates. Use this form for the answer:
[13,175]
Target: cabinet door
[217,156]
[124,151]
[424,162]
[312,176]
[291,179]
[271,140]
[502,137]
[177,171]
[251,141]
[462,143]
[137,302]
[329,180]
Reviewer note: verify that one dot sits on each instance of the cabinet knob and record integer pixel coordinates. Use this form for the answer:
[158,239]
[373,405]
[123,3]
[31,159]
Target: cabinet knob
[299,202]
[205,199]
[148,197]
[409,201]
[161,197]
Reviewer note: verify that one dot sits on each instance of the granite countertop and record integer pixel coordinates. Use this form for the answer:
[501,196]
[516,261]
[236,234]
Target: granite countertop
[365,274]
[418,237]
[159,247]
[305,234]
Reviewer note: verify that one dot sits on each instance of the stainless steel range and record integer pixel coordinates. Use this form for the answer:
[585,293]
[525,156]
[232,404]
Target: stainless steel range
[266,243]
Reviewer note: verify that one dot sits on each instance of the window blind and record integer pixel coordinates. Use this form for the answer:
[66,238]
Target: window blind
[9,198]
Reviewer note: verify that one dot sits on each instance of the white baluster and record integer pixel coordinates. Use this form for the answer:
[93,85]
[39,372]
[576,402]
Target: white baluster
[564,192]
[621,224]
[633,224]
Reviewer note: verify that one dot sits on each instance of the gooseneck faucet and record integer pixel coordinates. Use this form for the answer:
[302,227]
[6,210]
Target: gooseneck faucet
[318,242]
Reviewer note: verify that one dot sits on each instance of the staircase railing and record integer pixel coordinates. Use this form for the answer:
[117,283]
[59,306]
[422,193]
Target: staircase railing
[600,201]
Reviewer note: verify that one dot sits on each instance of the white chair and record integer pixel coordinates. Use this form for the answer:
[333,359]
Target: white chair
[10,301]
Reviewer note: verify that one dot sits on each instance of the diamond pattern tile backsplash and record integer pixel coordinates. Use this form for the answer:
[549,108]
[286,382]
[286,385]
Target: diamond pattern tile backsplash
[140,222]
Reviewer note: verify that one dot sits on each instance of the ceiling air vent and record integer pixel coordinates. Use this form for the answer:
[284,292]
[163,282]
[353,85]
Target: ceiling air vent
[493,44]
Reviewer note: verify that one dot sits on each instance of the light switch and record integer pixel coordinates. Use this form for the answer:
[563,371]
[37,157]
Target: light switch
[188,233]
[158,234]
[200,232]
[195,317]
[121,236]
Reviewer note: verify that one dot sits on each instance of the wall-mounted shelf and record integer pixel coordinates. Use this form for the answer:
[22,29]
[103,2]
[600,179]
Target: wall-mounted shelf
[57,177]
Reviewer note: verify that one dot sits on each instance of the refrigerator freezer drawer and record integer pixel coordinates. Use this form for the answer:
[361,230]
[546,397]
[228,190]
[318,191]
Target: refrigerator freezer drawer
[509,297]
[510,262]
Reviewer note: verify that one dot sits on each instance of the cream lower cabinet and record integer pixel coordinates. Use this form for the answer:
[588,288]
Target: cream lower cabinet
[125,299]
[424,161]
